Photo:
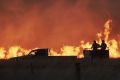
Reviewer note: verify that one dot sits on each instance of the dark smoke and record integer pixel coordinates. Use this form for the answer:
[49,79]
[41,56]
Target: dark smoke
[52,23]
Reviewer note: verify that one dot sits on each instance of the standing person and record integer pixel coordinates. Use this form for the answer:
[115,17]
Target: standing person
[103,45]
[95,46]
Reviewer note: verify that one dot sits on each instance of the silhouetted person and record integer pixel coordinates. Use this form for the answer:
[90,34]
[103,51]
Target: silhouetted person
[103,45]
[95,46]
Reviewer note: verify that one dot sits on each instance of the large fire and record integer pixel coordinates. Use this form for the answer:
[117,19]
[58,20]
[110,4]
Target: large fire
[67,50]
[112,45]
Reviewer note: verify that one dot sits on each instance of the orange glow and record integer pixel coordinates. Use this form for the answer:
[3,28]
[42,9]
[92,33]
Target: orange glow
[14,51]
[111,43]
[2,53]
[68,50]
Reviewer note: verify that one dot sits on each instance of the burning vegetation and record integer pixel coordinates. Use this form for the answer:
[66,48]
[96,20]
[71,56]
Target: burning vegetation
[112,44]
[27,24]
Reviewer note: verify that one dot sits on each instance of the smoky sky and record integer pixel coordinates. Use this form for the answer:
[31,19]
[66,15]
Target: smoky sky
[53,23]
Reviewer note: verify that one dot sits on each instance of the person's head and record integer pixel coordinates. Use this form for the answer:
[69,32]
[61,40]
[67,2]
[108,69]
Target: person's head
[94,41]
[103,41]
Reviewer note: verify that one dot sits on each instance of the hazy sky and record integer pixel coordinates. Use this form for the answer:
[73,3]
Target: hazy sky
[52,23]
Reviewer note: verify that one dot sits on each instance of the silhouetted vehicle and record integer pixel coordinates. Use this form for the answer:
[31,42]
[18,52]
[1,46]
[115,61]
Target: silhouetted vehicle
[39,52]
[36,53]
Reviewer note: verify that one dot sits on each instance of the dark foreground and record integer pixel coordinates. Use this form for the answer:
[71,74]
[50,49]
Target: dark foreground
[59,68]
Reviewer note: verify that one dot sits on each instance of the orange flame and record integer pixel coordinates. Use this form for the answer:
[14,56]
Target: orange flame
[16,51]
[112,44]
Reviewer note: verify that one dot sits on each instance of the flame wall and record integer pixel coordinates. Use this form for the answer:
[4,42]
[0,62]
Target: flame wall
[52,23]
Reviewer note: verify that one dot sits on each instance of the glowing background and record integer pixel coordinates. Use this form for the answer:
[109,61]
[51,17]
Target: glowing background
[52,23]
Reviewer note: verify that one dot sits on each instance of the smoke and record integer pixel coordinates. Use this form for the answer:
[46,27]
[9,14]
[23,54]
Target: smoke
[51,23]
